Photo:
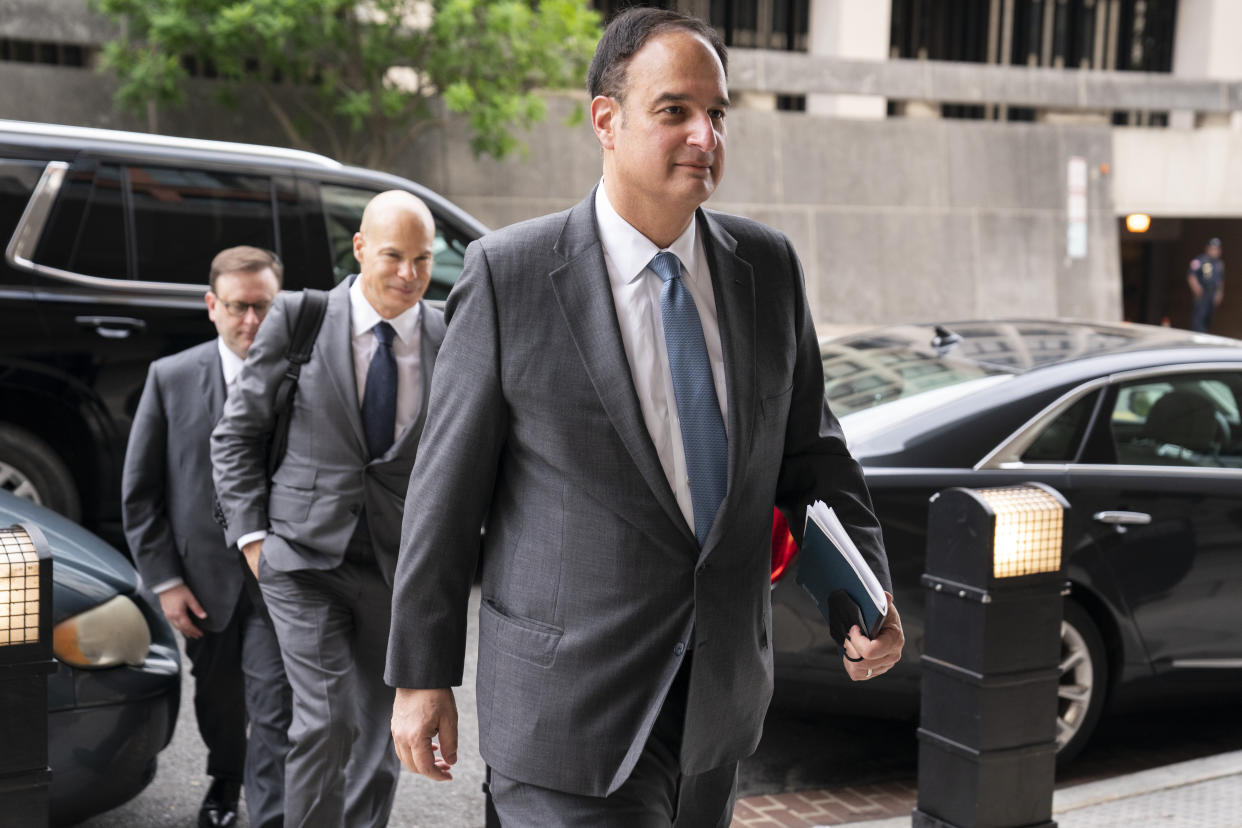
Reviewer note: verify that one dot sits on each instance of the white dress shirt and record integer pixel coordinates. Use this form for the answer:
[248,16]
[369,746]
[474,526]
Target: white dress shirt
[636,295]
[406,347]
[230,363]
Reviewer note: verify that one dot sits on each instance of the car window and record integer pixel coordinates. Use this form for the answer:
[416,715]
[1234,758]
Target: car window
[86,229]
[1060,441]
[181,217]
[17,181]
[342,210]
[184,217]
[1179,420]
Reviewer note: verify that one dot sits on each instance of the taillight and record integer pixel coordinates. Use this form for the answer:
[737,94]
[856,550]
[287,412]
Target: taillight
[783,546]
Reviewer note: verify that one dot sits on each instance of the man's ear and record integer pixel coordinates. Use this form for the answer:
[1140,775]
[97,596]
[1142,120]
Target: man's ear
[210,299]
[358,245]
[605,118]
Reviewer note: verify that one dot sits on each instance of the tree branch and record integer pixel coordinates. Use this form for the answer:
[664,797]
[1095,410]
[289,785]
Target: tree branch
[282,118]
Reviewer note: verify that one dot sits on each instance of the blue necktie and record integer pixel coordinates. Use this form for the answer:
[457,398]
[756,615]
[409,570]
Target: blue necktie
[698,408]
[379,400]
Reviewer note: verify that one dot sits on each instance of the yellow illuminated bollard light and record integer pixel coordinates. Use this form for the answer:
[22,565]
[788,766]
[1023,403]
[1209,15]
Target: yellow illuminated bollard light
[992,644]
[25,661]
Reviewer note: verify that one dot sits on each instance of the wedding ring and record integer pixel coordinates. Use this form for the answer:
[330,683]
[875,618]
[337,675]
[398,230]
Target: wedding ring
[868,673]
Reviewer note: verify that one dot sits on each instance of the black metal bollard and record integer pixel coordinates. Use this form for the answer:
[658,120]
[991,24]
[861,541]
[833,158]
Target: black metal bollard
[987,730]
[25,661]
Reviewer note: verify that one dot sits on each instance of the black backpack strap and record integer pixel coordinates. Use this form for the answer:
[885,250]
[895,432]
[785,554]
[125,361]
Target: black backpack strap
[310,318]
[302,343]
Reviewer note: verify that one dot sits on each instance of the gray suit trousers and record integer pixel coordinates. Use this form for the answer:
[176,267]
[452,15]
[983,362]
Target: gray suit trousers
[656,794]
[239,678]
[333,629]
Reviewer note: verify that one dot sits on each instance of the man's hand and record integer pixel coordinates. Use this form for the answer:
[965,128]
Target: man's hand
[878,655]
[251,551]
[417,717]
[179,604]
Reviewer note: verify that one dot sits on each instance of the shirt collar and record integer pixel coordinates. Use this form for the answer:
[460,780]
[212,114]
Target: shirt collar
[363,316]
[629,251]
[230,362]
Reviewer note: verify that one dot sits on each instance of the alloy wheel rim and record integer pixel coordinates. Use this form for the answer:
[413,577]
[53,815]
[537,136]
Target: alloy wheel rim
[1076,684]
[12,480]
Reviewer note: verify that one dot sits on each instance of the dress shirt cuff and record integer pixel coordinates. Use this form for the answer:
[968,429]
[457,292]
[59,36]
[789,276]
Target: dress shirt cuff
[164,586]
[249,537]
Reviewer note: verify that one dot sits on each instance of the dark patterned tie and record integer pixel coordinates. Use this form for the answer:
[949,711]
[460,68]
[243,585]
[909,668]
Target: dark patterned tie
[379,400]
[698,408]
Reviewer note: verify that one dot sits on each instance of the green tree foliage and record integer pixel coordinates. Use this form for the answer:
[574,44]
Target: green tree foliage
[359,80]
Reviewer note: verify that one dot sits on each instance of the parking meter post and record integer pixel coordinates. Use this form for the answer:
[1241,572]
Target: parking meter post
[25,661]
[987,728]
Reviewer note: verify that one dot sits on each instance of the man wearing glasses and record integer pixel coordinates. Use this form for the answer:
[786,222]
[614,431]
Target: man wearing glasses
[204,586]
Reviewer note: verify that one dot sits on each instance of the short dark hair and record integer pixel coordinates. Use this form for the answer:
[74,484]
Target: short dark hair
[627,33]
[245,259]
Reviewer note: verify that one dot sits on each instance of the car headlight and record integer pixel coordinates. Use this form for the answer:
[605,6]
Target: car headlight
[113,633]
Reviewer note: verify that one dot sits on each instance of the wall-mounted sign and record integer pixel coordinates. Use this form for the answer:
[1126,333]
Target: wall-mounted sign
[1076,208]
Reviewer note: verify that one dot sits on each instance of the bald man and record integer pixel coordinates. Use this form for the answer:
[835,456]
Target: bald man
[322,538]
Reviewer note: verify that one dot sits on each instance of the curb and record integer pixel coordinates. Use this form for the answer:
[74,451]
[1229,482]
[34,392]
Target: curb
[1089,794]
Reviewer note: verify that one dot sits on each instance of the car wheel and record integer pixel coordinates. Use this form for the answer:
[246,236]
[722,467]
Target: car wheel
[30,468]
[1083,684]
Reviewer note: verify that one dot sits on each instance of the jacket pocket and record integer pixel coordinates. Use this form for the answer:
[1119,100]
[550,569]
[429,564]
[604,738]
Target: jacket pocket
[292,492]
[523,638]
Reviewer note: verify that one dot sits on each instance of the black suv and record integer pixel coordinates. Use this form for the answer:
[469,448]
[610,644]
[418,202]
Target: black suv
[108,238]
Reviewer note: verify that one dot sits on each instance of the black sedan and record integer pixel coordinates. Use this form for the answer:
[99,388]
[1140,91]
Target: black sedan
[1138,427]
[113,699]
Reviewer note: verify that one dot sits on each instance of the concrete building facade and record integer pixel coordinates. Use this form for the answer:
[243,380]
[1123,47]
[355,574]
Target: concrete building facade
[913,188]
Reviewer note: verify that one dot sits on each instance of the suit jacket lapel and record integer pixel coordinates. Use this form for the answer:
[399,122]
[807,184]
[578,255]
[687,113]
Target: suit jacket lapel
[584,296]
[212,381]
[733,284]
[337,352]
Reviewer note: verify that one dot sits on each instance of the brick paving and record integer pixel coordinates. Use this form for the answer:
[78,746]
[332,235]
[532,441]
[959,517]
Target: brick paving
[836,807]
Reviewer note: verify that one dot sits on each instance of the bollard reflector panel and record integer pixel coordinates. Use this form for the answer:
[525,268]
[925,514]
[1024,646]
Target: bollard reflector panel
[1028,530]
[19,588]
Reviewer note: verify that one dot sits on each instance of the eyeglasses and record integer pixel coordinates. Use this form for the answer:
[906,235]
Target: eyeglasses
[238,309]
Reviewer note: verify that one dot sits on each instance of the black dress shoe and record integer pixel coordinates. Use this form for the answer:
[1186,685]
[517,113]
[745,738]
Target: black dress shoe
[219,808]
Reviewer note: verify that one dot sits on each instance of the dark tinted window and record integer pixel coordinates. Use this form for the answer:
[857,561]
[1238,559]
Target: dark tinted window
[86,229]
[342,210]
[17,182]
[183,217]
[305,262]
[1059,442]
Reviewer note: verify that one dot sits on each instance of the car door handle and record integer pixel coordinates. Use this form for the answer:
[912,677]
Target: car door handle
[112,327]
[1119,518]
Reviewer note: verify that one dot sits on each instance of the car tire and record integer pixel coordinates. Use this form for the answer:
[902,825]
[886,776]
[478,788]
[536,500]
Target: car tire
[1083,685]
[30,468]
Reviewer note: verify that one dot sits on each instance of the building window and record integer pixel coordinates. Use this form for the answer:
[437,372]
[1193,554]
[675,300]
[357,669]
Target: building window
[1117,35]
[16,50]
[756,24]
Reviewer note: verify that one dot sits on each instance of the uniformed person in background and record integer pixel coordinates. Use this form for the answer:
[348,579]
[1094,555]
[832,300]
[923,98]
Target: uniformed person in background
[1207,285]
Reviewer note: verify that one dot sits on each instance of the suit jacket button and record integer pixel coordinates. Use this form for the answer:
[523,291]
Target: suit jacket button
[679,649]
[353,510]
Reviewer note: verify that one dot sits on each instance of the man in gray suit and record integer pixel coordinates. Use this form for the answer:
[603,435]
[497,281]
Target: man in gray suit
[323,540]
[625,390]
[203,584]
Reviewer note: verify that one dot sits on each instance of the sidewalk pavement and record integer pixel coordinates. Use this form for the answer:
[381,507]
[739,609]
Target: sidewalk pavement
[1200,793]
